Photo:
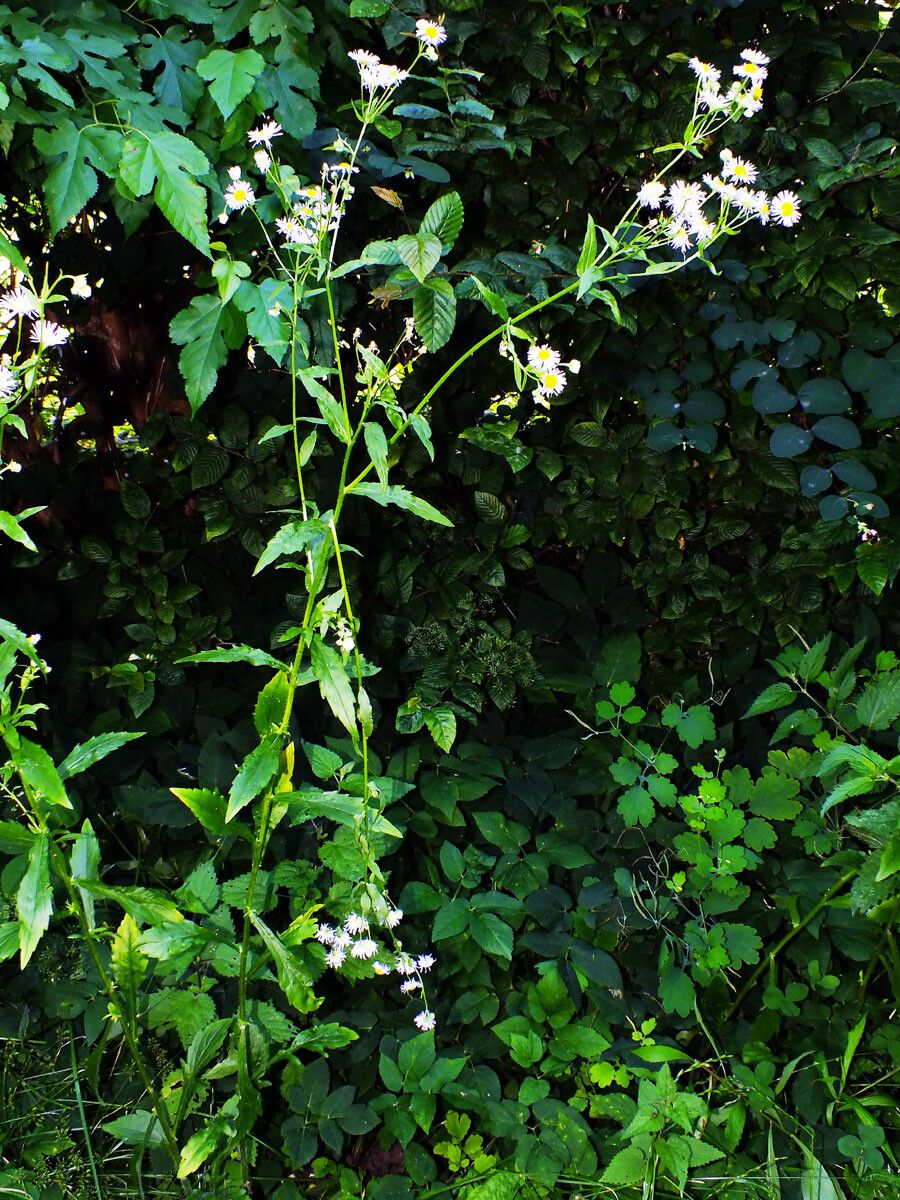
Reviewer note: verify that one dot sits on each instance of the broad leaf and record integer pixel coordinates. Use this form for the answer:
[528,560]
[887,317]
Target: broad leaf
[434,312]
[169,164]
[231,75]
[207,330]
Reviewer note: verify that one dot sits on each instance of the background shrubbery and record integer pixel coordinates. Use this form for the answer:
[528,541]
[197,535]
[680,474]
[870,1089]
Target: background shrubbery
[622,880]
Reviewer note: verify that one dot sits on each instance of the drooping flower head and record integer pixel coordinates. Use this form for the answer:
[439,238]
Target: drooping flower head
[425,1020]
[7,382]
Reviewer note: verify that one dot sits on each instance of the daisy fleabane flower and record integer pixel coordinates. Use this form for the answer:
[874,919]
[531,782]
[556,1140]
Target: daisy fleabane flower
[651,194]
[705,72]
[405,964]
[785,208]
[381,968]
[755,56]
[749,68]
[264,135]
[341,940]
[356,924]
[364,58]
[542,358]
[752,100]
[430,33]
[410,985]
[393,918]
[739,169]
[364,948]
[48,333]
[681,240]
[425,962]
[551,383]
[325,935]
[335,958]
[263,160]
[238,194]
[425,1020]
[7,382]
[20,302]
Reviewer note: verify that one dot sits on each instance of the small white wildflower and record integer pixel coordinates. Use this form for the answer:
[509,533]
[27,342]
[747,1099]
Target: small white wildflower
[683,196]
[755,56]
[80,287]
[335,958]
[750,70]
[405,964]
[48,333]
[342,168]
[7,382]
[680,240]
[551,383]
[239,194]
[651,194]
[341,940]
[356,924]
[430,33]
[425,1020]
[13,467]
[20,302]
[364,58]
[409,985]
[739,169]
[263,160]
[393,918]
[542,358]
[364,948]
[325,935]
[264,135]
[785,208]
[705,72]
[425,962]
[381,968]
[234,172]
[712,99]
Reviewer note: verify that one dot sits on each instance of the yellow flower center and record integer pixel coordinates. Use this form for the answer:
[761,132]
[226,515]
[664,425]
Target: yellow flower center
[431,31]
[786,208]
[750,68]
[550,380]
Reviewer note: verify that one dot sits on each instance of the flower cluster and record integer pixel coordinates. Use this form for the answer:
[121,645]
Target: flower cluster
[374,75]
[317,211]
[354,939]
[546,368]
[744,95]
[20,302]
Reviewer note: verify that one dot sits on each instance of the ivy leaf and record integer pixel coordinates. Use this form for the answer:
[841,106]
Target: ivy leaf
[207,330]
[421,252]
[444,219]
[168,164]
[434,312]
[34,899]
[231,76]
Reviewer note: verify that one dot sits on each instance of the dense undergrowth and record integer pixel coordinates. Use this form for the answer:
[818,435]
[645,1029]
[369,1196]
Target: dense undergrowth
[437,774]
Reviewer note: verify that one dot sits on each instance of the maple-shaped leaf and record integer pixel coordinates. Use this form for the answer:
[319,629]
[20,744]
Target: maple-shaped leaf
[175,59]
[169,163]
[231,76]
[71,181]
[207,329]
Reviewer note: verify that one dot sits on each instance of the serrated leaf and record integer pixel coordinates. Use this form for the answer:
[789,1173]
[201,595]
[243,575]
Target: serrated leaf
[434,312]
[169,164]
[444,219]
[84,863]
[146,905]
[291,539]
[292,979]
[231,76]
[254,774]
[128,963]
[94,750]
[230,654]
[778,695]
[203,330]
[34,899]
[38,771]
[441,724]
[399,496]
[421,252]
[199,1147]
[71,182]
[377,445]
[490,508]
[328,667]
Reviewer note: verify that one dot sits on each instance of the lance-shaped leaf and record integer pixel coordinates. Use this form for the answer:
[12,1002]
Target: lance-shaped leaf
[169,164]
[146,905]
[334,685]
[84,864]
[34,899]
[92,751]
[200,1146]
[399,496]
[377,445]
[229,654]
[292,979]
[38,772]
[292,538]
[254,774]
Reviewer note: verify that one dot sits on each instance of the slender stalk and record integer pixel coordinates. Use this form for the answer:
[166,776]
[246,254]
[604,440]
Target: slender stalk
[82,1116]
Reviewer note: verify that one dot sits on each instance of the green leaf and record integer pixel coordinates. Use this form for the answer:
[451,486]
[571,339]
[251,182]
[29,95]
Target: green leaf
[254,774]
[146,905]
[171,163]
[271,703]
[328,667]
[14,531]
[199,1147]
[879,703]
[231,76]
[444,219]
[139,1128]
[693,725]
[421,252]
[292,979]
[441,723]
[206,330]
[36,767]
[377,445]
[94,750]
[434,312]
[129,965]
[34,899]
[789,440]
[588,248]
[636,807]
[627,1167]
[84,863]
[229,654]
[332,413]
[889,863]
[291,539]
[778,695]
[394,494]
[676,991]
[71,181]
[491,934]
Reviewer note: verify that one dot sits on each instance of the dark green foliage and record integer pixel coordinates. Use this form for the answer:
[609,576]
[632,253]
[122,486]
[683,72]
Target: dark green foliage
[660,881]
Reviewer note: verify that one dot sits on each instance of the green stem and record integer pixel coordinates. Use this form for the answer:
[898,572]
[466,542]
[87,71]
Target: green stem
[769,961]
[82,1116]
